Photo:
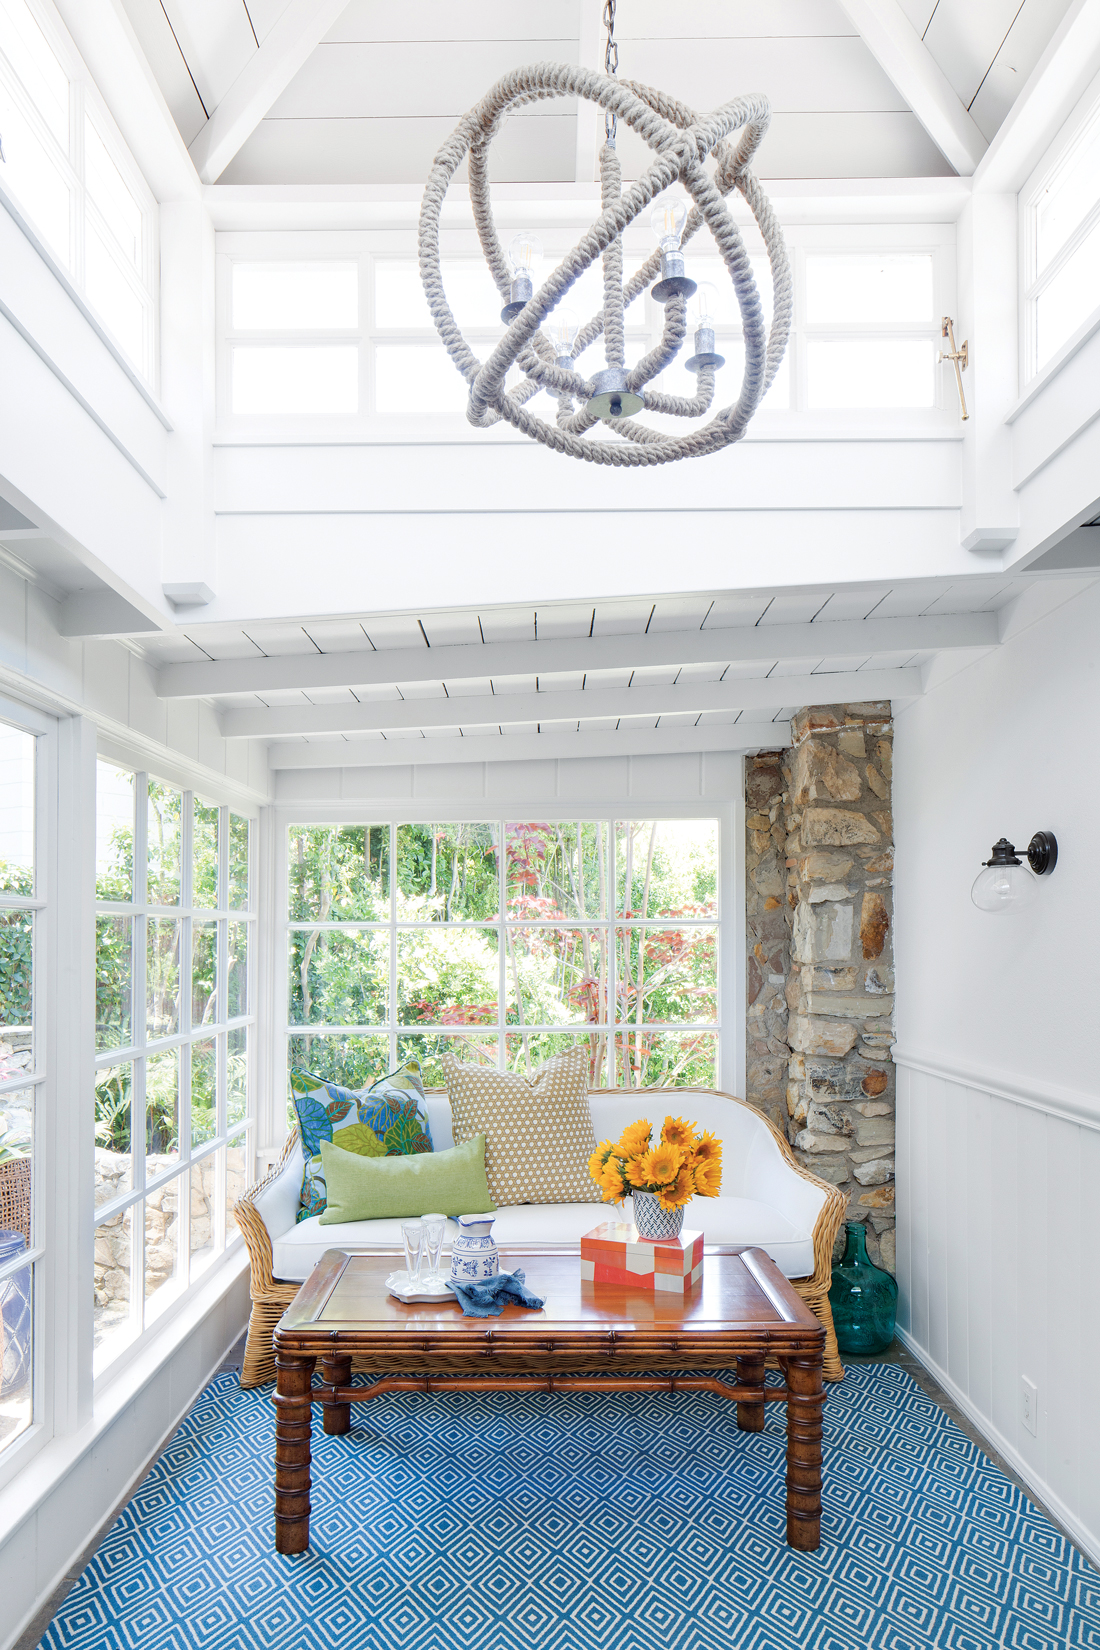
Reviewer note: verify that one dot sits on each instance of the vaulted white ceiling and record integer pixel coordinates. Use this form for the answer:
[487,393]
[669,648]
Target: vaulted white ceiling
[375,96]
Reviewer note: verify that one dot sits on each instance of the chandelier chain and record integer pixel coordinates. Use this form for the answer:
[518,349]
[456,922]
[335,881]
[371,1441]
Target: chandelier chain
[610,64]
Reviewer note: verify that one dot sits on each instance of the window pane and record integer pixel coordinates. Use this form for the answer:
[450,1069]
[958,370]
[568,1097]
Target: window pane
[1070,298]
[727,311]
[164,1275]
[556,976]
[528,1050]
[113,1265]
[1071,194]
[868,286]
[399,299]
[237,970]
[356,1062]
[113,196]
[113,982]
[238,862]
[667,974]
[114,832]
[204,973]
[870,372]
[17,978]
[447,977]
[339,871]
[16,811]
[16,1343]
[204,1191]
[237,1163]
[556,871]
[204,1072]
[165,812]
[16,1164]
[204,842]
[162,1112]
[667,867]
[447,873]
[34,179]
[111,295]
[272,297]
[35,62]
[162,966]
[339,978]
[306,382]
[114,1168]
[658,1059]
[417,378]
[428,1049]
[236,1099]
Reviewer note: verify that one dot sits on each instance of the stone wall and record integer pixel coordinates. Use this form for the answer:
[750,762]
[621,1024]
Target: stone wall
[825,947]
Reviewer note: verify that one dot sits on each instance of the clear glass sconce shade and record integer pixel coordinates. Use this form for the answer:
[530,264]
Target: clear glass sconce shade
[561,329]
[525,254]
[704,305]
[999,889]
[667,222]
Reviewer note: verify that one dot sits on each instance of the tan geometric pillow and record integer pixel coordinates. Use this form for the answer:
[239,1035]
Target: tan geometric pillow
[538,1131]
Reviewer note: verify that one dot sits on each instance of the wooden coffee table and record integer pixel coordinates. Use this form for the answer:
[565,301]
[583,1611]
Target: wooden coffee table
[743,1310]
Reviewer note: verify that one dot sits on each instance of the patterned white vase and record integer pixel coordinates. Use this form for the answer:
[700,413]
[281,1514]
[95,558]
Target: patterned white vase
[654,1222]
[474,1255]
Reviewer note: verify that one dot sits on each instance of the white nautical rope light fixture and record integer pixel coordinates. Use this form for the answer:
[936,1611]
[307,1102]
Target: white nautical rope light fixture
[544,337]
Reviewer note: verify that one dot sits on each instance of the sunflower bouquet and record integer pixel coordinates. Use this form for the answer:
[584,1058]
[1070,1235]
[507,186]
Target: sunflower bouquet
[682,1165]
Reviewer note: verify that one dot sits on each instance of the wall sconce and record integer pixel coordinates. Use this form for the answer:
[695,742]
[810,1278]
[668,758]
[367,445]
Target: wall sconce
[1007,884]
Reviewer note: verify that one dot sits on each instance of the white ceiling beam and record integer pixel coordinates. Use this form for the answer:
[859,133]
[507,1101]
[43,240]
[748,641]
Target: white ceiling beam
[1061,76]
[570,705]
[902,55]
[266,75]
[523,747]
[454,663]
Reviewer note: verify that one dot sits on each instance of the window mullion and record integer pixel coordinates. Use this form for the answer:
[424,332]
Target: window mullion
[502,947]
[392,1010]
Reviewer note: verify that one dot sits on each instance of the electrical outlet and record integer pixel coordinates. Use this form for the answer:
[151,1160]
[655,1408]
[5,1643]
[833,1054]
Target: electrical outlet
[1029,1405]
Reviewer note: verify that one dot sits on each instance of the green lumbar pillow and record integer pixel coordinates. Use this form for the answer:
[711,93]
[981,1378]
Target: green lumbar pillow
[387,1188]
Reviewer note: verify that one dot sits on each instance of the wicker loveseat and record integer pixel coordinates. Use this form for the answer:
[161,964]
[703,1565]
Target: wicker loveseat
[767,1200]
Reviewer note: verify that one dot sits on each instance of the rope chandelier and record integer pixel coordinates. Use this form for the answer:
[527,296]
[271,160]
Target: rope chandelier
[544,338]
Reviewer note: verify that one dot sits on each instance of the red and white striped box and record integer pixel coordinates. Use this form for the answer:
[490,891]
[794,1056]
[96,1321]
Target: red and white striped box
[615,1253]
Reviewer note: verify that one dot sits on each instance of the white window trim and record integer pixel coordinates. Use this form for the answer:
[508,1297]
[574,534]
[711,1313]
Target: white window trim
[799,423]
[85,100]
[730,1030]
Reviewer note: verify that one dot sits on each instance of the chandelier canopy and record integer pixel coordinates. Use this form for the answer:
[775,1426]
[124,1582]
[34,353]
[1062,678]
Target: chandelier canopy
[544,339]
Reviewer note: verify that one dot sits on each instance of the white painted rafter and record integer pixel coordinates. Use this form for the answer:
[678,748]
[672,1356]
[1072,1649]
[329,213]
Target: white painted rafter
[902,55]
[523,747]
[454,663]
[266,75]
[569,705]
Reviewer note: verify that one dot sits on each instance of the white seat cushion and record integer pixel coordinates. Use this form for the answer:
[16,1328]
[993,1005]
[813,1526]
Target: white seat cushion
[739,1220]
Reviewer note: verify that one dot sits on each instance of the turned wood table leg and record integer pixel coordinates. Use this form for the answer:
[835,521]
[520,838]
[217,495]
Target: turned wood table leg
[750,1372]
[292,1432]
[336,1371]
[805,1397]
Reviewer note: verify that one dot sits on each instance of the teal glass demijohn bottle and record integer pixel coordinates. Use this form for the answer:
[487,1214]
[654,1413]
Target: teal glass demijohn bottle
[863,1297]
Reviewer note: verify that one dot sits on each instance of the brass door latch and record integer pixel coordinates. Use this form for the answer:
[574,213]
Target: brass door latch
[959,358]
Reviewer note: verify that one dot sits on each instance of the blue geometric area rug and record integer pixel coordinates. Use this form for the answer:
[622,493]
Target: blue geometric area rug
[502,1521]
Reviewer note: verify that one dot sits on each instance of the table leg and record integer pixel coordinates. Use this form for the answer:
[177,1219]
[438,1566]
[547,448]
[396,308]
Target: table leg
[750,1372]
[805,1397]
[293,1378]
[336,1371]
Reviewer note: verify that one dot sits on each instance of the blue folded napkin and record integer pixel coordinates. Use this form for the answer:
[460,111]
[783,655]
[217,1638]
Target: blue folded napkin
[487,1298]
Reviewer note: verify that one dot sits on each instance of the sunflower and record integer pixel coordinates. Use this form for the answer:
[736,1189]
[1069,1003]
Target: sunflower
[636,1171]
[599,1158]
[611,1181]
[678,1133]
[661,1165]
[708,1148]
[708,1178]
[635,1138]
[680,1192]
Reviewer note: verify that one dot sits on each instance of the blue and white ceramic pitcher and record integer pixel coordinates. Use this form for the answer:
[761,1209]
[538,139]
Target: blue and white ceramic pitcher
[474,1255]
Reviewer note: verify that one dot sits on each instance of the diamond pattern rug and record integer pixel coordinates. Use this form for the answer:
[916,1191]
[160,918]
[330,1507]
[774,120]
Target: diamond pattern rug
[582,1522]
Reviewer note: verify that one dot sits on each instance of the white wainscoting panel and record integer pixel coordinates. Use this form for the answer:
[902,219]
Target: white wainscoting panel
[998,1198]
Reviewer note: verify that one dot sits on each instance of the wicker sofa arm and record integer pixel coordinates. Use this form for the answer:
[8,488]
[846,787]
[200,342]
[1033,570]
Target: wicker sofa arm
[270,1298]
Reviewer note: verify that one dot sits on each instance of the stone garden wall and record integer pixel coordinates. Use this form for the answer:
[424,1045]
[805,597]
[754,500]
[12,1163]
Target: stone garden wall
[820,980]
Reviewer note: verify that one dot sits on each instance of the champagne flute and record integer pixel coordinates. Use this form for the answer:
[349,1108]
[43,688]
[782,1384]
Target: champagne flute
[434,1228]
[412,1236]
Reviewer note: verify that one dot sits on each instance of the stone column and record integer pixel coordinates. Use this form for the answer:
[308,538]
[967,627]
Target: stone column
[768,925]
[840,987]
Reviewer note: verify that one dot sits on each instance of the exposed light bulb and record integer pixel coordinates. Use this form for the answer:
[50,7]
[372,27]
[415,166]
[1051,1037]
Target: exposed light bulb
[562,329]
[524,254]
[667,222]
[704,305]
